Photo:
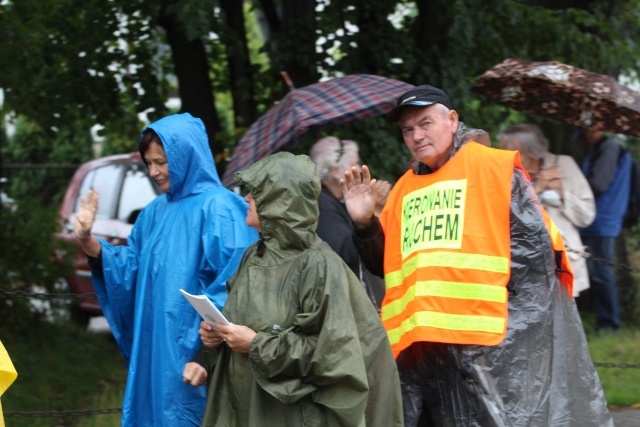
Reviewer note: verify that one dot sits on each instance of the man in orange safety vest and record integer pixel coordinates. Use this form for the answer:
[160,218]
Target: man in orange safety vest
[478,305]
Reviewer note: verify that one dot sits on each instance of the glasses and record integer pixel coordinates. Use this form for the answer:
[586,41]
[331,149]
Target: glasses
[340,151]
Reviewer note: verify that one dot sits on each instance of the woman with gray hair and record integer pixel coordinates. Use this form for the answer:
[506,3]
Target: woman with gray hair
[561,188]
[332,156]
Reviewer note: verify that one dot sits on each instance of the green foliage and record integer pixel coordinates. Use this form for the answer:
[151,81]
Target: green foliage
[29,255]
[620,384]
[197,16]
[69,62]
[104,62]
[365,38]
[464,39]
[30,145]
[381,148]
[255,40]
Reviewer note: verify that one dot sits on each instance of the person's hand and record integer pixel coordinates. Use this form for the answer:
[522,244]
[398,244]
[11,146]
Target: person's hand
[209,336]
[550,179]
[194,374]
[359,195]
[383,188]
[237,337]
[86,216]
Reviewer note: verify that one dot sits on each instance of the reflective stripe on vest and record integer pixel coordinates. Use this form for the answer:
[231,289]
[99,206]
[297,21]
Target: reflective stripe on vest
[447,251]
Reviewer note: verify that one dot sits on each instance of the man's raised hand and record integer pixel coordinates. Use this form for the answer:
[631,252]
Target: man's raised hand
[359,195]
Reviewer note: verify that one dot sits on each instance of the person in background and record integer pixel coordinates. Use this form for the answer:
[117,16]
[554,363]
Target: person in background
[608,172]
[331,157]
[561,188]
[192,237]
[478,304]
[305,347]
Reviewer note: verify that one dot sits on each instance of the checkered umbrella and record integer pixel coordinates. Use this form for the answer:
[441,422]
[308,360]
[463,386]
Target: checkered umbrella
[562,92]
[332,102]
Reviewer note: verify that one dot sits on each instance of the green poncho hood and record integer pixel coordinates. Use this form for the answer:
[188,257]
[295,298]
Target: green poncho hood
[321,356]
[286,191]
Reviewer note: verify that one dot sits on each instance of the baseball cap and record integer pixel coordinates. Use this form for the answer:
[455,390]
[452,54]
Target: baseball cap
[420,96]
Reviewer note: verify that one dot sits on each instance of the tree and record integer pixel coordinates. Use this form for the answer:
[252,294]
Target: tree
[68,62]
[113,60]
[291,43]
[240,69]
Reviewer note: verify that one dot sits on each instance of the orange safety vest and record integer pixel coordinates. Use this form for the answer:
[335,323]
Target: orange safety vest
[448,251]
[564,270]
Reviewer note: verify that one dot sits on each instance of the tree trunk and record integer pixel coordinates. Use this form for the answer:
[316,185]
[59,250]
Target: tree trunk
[430,35]
[299,22]
[241,76]
[192,70]
[375,29]
[291,39]
[271,15]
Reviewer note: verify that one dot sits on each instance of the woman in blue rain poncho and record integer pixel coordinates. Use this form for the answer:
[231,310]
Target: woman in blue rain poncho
[192,237]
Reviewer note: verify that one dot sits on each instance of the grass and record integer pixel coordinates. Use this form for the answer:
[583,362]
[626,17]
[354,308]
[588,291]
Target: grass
[61,367]
[620,384]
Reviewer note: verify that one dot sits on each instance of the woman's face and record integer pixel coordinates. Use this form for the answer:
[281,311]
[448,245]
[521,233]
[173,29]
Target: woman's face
[156,161]
[253,220]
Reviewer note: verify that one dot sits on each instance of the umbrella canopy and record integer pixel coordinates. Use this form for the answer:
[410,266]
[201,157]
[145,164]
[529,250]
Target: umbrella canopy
[562,92]
[332,102]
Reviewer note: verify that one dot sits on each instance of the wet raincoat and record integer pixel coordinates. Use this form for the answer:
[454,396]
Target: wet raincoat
[321,356]
[8,375]
[191,238]
[540,375]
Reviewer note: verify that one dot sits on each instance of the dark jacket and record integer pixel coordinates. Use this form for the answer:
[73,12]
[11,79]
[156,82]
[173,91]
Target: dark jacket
[608,171]
[335,227]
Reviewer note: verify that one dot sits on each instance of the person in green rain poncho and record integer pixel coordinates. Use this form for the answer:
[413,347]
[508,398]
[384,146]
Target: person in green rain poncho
[306,346]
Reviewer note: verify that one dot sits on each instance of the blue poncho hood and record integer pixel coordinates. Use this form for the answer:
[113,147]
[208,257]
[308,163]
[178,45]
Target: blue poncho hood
[191,238]
[191,167]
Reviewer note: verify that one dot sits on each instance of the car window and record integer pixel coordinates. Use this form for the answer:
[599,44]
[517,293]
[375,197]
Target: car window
[106,180]
[137,192]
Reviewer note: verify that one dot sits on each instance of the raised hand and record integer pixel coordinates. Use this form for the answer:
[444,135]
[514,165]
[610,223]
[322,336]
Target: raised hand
[86,216]
[360,196]
[383,188]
